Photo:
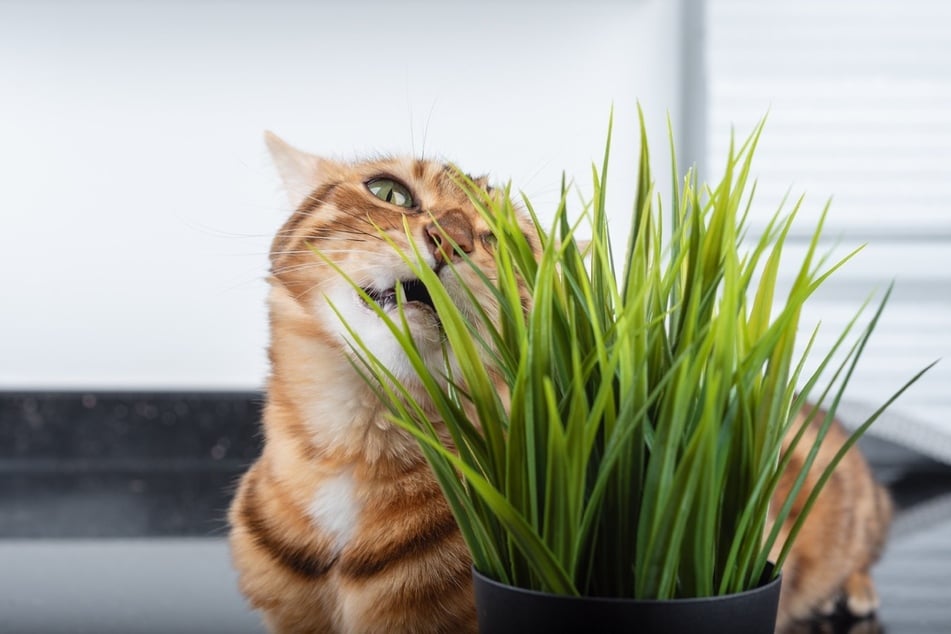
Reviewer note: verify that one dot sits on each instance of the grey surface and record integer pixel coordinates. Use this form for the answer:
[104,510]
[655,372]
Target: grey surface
[913,576]
[160,586]
[135,586]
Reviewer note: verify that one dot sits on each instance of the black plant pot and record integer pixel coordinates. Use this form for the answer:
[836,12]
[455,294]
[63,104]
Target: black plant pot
[506,609]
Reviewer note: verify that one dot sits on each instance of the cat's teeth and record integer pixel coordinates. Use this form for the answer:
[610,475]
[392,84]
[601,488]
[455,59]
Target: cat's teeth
[384,297]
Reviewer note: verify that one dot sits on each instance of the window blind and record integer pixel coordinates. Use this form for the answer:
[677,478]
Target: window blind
[858,96]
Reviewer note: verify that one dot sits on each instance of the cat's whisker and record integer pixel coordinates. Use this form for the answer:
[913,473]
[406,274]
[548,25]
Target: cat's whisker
[306,291]
[313,252]
[354,271]
[316,255]
[340,230]
[296,268]
[317,265]
[342,234]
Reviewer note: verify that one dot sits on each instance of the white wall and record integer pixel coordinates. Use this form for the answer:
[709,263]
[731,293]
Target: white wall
[136,199]
[859,100]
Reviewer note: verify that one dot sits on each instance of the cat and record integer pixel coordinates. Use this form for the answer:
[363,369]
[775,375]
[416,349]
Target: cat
[339,526]
[843,535]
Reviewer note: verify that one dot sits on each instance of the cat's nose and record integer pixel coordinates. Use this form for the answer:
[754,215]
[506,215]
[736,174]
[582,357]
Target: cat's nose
[451,227]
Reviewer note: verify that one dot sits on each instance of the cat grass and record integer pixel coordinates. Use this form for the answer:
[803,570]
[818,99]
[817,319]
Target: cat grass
[637,443]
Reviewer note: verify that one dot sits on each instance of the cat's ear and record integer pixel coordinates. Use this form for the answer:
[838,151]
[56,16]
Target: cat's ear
[301,172]
[482,182]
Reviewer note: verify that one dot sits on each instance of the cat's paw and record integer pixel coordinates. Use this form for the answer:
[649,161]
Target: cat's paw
[860,596]
[828,607]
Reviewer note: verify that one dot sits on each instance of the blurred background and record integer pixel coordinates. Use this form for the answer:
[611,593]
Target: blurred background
[139,201]
[137,204]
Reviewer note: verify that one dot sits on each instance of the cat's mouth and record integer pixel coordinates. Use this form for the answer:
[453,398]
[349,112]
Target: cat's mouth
[413,290]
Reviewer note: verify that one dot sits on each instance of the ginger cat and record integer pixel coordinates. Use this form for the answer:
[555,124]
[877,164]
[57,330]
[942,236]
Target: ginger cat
[843,536]
[339,526]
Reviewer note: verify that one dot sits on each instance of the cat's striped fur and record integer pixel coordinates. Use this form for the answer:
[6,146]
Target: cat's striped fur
[339,526]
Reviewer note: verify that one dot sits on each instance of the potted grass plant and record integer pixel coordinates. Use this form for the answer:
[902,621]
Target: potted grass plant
[616,439]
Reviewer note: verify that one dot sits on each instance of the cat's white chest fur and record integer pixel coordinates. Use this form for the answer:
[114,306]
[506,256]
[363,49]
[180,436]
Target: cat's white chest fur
[335,508]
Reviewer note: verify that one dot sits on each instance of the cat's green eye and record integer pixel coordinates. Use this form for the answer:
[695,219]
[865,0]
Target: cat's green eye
[391,191]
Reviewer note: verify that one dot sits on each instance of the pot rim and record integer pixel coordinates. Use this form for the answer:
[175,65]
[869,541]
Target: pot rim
[762,588]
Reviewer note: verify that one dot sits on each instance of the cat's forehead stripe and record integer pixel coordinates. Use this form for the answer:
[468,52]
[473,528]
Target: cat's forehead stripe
[419,168]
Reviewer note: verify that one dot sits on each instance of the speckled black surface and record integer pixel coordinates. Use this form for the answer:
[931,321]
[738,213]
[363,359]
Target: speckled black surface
[122,464]
[147,428]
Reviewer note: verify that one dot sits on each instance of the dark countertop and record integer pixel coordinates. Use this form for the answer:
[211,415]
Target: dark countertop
[112,511]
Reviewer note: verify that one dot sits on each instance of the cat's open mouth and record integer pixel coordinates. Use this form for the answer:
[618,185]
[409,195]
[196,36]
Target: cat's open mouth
[414,291]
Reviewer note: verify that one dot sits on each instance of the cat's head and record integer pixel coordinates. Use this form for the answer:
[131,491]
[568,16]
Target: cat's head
[341,208]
